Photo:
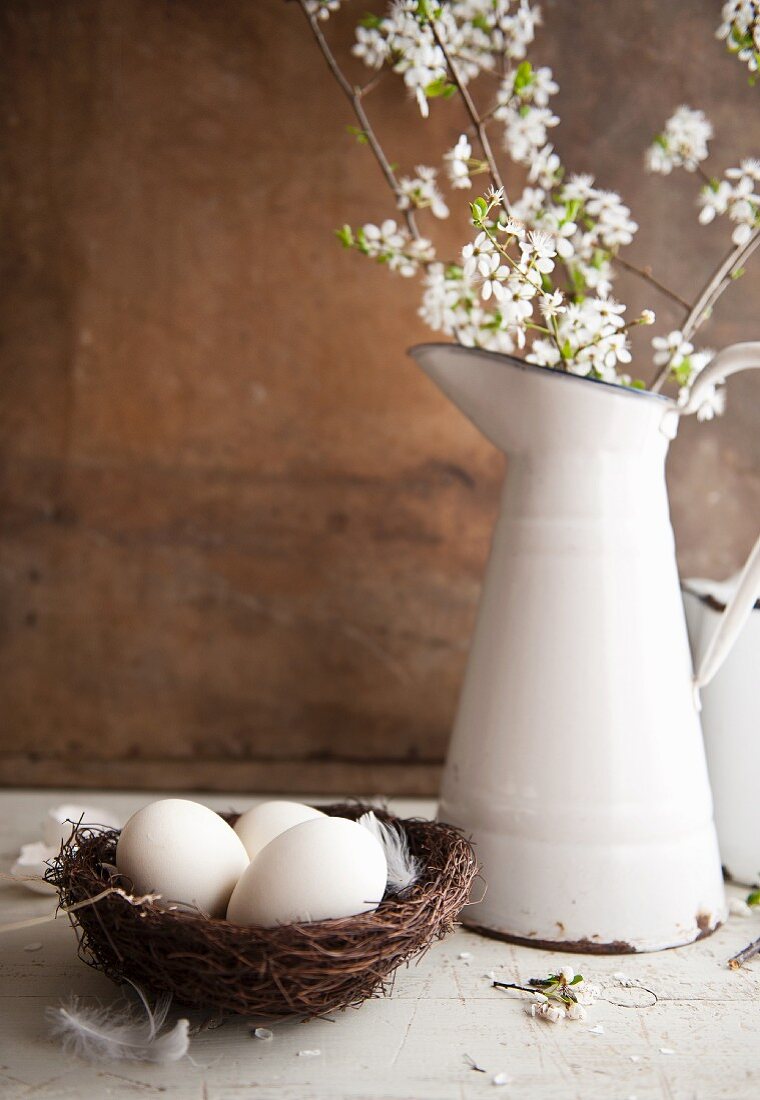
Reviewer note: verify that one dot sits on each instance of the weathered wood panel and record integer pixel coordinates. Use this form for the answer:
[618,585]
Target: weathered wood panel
[242,536]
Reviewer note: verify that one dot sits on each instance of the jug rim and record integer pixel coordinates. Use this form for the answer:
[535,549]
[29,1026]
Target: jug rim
[523,364]
[703,591]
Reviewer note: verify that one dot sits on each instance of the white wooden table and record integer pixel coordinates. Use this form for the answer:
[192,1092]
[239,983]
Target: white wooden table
[414,1045]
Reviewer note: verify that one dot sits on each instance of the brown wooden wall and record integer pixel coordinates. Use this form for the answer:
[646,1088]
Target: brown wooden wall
[242,535]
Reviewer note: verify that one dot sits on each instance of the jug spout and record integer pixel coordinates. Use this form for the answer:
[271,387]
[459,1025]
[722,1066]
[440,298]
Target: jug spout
[522,407]
[481,385]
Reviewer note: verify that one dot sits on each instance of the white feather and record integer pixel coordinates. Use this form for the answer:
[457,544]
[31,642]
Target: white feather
[99,1034]
[403,867]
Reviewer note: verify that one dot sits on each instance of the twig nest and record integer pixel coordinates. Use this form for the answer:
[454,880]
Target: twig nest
[305,969]
[319,870]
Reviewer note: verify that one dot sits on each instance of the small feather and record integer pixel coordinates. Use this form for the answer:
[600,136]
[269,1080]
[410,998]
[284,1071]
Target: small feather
[403,867]
[98,1034]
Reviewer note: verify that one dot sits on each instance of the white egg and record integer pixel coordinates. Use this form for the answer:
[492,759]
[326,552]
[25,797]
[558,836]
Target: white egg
[183,851]
[323,868]
[262,823]
[60,821]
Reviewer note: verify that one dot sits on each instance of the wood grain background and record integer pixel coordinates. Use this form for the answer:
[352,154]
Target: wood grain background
[242,535]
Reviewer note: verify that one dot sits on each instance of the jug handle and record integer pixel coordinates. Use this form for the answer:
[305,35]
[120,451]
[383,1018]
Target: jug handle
[729,361]
[735,615]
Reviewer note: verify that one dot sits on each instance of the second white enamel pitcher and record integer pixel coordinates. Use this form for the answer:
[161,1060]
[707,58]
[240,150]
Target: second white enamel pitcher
[576,761]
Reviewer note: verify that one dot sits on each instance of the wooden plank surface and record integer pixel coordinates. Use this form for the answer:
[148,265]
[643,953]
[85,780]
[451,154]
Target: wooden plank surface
[412,1046]
[242,536]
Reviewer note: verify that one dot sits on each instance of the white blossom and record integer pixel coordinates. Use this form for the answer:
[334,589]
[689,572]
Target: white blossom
[458,162]
[525,130]
[740,27]
[322,8]
[544,352]
[736,195]
[492,273]
[515,298]
[682,144]
[371,46]
[422,191]
[614,224]
[671,349]
[712,403]
[714,200]
[553,304]
[543,1009]
[713,397]
[393,245]
[527,207]
[738,907]
[408,44]
[478,254]
[441,300]
[544,167]
[539,251]
[578,188]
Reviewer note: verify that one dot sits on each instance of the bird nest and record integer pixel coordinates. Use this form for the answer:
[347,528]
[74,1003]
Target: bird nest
[295,969]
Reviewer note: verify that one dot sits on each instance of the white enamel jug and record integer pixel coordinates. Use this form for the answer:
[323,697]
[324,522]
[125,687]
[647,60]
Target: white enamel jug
[731,725]
[576,762]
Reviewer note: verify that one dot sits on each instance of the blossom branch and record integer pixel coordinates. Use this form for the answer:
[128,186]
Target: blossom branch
[477,122]
[645,273]
[355,95]
[720,279]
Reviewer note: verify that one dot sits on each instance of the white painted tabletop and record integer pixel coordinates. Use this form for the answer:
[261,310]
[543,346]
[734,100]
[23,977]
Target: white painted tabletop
[414,1045]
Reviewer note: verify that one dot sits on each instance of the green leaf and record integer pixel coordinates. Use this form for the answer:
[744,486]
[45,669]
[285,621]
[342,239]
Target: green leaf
[682,373]
[345,236]
[359,134]
[753,898]
[637,384]
[523,76]
[370,20]
[479,209]
[576,979]
[440,87]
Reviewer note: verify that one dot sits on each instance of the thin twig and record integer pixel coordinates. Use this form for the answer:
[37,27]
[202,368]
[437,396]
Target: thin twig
[645,273]
[354,96]
[717,283]
[475,118]
[372,83]
[514,985]
[745,955]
